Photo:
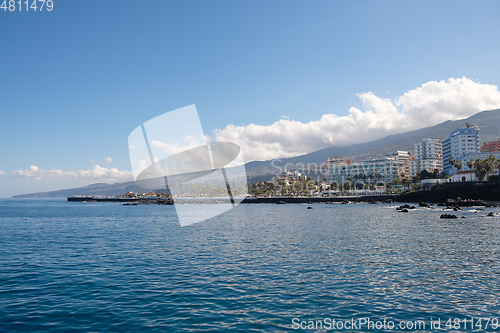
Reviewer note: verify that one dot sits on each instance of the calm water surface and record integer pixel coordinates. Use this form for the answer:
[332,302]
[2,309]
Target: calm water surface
[107,267]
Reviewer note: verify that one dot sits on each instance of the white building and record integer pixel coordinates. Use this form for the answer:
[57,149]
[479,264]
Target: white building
[402,155]
[399,155]
[463,176]
[472,157]
[428,155]
[369,171]
[463,141]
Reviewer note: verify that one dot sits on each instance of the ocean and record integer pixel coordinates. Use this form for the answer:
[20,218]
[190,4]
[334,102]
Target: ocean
[105,267]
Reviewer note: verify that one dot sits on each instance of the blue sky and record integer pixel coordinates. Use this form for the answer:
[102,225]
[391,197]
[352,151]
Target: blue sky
[76,81]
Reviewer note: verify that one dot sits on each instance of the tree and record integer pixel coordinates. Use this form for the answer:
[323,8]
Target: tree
[406,183]
[489,164]
[480,171]
[470,165]
[452,161]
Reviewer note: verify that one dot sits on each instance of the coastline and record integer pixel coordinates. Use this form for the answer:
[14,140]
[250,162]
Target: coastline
[471,191]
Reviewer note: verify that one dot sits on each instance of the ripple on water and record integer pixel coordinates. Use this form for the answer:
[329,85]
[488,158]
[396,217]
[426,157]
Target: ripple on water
[103,267]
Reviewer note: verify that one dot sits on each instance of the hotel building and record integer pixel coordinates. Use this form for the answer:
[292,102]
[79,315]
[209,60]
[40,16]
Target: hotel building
[461,142]
[374,170]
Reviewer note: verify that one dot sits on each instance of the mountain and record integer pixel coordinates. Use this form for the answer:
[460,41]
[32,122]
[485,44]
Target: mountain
[94,189]
[487,121]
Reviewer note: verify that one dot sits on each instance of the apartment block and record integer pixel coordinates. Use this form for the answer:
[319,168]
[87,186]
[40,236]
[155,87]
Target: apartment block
[428,155]
[463,141]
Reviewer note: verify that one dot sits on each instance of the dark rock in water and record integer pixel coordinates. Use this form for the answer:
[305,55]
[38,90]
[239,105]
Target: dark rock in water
[490,214]
[462,217]
[405,207]
[448,216]
[309,207]
[456,208]
[441,204]
[404,210]
[423,204]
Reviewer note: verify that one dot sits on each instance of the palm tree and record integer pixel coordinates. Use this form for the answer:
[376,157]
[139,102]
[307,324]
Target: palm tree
[406,183]
[479,169]
[490,164]
[470,165]
[452,161]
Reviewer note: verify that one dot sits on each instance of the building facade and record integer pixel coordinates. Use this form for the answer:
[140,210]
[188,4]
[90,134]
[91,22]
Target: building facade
[369,171]
[428,155]
[463,141]
[491,147]
[405,156]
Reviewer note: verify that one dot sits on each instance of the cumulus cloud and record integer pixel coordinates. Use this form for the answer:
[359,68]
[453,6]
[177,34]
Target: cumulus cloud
[2,173]
[96,175]
[428,105]
[174,147]
[106,160]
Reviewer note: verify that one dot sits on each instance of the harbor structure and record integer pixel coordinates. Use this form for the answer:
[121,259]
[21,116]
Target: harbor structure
[427,155]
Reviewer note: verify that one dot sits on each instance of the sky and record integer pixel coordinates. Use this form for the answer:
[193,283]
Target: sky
[279,78]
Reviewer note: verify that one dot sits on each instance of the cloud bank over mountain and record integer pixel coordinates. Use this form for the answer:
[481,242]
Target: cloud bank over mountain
[97,174]
[432,103]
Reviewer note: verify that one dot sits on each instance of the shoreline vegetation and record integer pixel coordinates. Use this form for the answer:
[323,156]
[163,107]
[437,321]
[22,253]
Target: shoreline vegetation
[465,194]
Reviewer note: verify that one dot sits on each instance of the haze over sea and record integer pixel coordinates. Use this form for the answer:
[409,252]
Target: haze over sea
[111,268]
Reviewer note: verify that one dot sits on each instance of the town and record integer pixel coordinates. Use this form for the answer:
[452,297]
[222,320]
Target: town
[457,158]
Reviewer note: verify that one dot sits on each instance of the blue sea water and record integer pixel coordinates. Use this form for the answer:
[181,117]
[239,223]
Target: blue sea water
[105,267]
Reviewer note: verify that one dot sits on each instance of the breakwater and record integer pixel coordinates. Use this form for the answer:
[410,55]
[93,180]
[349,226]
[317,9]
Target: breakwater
[464,190]
[344,199]
[275,200]
[159,201]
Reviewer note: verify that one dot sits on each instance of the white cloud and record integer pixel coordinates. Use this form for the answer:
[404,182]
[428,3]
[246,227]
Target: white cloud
[176,147]
[106,160]
[428,105]
[96,175]
[2,173]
